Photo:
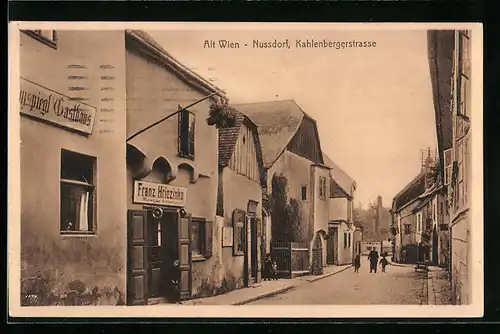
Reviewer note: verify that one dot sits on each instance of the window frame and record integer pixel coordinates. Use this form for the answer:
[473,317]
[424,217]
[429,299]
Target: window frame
[322,188]
[239,220]
[201,236]
[186,137]
[448,168]
[36,34]
[463,75]
[89,187]
[303,193]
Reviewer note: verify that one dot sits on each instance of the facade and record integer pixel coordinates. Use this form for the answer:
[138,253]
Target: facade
[239,204]
[340,244]
[357,238]
[449,60]
[172,178]
[72,106]
[291,154]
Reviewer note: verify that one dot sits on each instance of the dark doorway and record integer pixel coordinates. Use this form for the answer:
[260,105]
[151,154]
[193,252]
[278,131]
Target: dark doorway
[330,250]
[253,248]
[153,257]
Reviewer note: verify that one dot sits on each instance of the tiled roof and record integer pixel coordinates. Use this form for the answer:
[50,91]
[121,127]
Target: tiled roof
[277,122]
[411,191]
[145,38]
[228,136]
[344,181]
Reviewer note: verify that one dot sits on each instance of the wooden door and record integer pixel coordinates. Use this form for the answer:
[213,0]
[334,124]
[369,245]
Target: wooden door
[137,265]
[184,257]
[156,271]
[253,247]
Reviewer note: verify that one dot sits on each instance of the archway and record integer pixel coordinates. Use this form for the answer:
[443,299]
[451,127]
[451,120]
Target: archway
[317,255]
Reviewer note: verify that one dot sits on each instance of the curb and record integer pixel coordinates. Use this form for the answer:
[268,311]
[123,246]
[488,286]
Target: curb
[327,275]
[269,294]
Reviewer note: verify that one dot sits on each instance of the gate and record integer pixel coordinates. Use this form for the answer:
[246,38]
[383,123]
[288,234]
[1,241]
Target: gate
[292,258]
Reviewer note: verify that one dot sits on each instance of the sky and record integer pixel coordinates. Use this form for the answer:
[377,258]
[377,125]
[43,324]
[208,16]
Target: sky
[373,106]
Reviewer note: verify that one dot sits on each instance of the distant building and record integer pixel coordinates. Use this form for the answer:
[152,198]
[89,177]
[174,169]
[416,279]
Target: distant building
[291,151]
[340,243]
[449,60]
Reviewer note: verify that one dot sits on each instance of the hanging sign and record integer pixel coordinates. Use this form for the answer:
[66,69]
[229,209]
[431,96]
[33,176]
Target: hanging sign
[44,104]
[159,194]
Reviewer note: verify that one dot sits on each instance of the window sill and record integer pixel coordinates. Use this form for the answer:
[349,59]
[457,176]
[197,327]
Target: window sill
[186,156]
[41,39]
[198,258]
[76,234]
[238,254]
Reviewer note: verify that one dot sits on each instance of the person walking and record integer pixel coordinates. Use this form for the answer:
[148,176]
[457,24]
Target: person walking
[384,262]
[373,258]
[357,263]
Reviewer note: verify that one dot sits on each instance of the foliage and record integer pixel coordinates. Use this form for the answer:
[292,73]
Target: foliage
[285,214]
[220,114]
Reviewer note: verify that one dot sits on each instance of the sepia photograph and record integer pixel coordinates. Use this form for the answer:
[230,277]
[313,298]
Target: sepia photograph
[207,169]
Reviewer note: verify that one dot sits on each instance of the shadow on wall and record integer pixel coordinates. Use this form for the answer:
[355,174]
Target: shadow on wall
[40,291]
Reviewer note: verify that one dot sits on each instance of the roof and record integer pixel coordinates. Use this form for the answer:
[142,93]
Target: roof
[228,136]
[340,178]
[422,204]
[181,70]
[277,121]
[411,191]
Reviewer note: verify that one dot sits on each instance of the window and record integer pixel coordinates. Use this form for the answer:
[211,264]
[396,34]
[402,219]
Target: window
[48,37]
[197,236]
[448,167]
[463,74]
[345,240]
[322,188]
[441,208]
[304,193]
[77,193]
[419,222]
[349,240]
[186,134]
[239,219]
[407,229]
[434,212]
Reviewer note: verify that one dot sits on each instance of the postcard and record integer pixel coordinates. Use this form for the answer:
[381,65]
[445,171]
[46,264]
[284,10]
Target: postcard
[316,170]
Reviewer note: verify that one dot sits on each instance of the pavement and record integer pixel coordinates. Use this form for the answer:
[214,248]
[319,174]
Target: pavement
[265,289]
[438,287]
[399,285]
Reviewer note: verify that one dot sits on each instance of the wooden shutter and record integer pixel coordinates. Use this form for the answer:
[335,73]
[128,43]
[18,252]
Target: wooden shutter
[185,257]
[208,239]
[137,261]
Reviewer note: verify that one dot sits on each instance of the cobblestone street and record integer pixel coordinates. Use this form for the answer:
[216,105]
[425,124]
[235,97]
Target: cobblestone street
[399,285]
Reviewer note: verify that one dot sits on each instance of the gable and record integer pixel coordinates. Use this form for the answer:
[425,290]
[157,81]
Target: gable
[305,142]
[244,158]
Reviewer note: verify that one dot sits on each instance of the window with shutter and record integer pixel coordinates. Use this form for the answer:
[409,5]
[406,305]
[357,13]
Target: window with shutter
[448,165]
[199,237]
[239,219]
[208,239]
[186,134]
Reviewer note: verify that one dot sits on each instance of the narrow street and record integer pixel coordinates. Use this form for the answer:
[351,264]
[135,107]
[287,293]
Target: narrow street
[399,285]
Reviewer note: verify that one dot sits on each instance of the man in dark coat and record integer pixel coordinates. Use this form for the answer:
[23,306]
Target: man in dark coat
[373,258]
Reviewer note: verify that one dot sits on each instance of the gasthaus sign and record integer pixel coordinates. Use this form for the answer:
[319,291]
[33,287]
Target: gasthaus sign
[159,194]
[47,105]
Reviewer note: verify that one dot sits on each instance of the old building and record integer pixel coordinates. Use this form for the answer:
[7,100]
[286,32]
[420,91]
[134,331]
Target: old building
[295,177]
[340,243]
[449,60]
[72,128]
[239,204]
[172,178]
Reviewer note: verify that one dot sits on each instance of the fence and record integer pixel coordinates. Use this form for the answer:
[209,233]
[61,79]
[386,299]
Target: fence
[292,258]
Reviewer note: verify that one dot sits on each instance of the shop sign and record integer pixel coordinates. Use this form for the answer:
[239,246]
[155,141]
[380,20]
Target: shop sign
[47,105]
[159,194]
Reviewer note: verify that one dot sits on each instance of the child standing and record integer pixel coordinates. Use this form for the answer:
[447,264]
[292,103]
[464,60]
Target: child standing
[384,263]
[357,263]
[268,268]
